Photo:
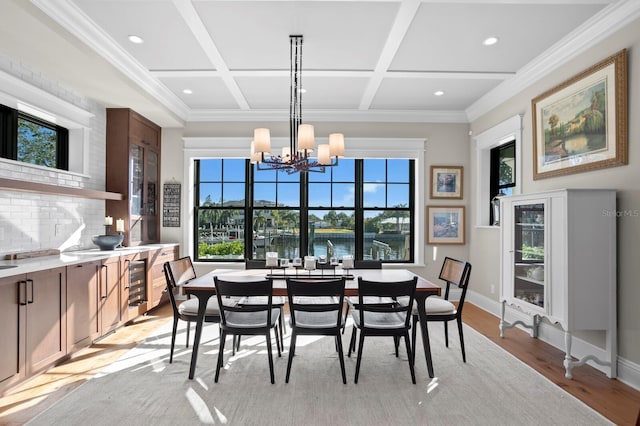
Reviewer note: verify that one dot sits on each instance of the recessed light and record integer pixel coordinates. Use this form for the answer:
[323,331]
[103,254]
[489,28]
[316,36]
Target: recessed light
[438,93]
[187,91]
[490,41]
[302,90]
[135,39]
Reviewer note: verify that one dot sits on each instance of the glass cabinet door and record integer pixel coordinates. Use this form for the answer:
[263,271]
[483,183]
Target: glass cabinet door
[529,253]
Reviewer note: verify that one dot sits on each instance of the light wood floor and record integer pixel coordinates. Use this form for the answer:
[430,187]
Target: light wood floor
[613,399]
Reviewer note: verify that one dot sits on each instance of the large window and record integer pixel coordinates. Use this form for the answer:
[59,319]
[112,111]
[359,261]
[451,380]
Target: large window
[32,140]
[361,207]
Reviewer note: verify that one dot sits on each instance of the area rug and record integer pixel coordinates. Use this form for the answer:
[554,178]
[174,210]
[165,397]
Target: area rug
[491,388]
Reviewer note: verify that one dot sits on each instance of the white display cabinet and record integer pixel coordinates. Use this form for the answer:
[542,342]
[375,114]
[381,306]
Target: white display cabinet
[558,261]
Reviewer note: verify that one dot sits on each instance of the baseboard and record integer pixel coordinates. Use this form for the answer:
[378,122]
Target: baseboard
[628,372]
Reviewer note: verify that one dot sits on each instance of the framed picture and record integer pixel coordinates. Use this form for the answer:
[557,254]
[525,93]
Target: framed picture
[446,182]
[445,224]
[581,125]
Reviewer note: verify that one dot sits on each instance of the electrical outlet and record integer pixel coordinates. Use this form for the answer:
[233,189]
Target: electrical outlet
[493,288]
[58,229]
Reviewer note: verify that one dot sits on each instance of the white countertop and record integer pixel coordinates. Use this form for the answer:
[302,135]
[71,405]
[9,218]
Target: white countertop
[24,266]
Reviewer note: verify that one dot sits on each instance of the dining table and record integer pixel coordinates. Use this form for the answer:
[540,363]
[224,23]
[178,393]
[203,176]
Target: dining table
[203,288]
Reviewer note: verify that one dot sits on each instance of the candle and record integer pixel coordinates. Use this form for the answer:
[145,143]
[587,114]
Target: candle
[271,259]
[309,263]
[108,220]
[119,225]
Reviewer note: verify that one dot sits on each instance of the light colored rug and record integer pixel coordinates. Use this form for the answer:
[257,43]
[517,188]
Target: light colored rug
[492,388]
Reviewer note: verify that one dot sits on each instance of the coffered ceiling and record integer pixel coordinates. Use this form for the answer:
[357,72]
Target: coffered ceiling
[362,60]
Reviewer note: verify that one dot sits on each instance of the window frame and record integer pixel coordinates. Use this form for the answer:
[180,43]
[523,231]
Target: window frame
[494,175]
[501,134]
[304,207]
[9,129]
[238,147]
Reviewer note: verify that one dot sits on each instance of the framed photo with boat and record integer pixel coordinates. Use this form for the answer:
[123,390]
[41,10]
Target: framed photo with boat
[581,125]
[445,224]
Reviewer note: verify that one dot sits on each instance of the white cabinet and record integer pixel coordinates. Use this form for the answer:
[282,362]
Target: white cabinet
[558,261]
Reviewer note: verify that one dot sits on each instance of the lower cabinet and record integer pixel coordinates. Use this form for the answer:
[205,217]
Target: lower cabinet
[83,324]
[110,294]
[32,323]
[156,282]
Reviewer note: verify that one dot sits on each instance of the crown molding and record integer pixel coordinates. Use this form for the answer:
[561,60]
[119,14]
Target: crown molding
[389,116]
[609,20]
[71,18]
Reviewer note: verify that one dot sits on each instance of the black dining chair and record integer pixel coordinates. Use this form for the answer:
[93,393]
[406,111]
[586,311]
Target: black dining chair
[375,319]
[352,301]
[278,301]
[454,273]
[253,319]
[316,308]
[177,273]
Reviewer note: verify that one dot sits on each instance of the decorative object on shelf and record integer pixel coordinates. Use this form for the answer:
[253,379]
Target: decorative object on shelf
[581,125]
[271,259]
[297,156]
[445,224]
[495,208]
[309,263]
[446,182]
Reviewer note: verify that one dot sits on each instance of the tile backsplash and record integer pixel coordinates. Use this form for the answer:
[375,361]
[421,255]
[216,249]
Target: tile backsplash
[33,221]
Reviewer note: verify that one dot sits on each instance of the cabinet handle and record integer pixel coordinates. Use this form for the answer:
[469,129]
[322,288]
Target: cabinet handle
[30,281]
[128,269]
[106,283]
[22,293]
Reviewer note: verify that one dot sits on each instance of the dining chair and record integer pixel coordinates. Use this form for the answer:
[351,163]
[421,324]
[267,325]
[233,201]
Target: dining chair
[375,319]
[278,301]
[177,273]
[352,301]
[316,309]
[253,319]
[454,273]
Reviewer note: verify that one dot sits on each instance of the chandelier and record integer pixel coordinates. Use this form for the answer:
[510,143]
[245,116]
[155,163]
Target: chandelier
[297,157]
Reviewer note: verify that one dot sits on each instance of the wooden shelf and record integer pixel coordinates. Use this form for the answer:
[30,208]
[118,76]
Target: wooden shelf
[44,188]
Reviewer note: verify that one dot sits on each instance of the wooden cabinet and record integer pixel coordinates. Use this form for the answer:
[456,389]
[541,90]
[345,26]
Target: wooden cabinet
[110,294]
[83,322]
[559,262]
[32,318]
[133,169]
[156,281]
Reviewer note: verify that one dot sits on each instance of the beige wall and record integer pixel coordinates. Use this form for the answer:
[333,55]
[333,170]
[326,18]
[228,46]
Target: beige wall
[484,242]
[447,144]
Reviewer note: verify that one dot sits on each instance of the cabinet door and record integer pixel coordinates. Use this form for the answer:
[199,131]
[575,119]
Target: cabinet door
[525,278]
[46,327]
[110,313]
[151,169]
[136,194]
[157,282]
[82,304]
[13,309]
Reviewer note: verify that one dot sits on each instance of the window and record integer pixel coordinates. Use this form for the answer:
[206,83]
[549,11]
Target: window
[32,140]
[360,207]
[505,134]
[503,171]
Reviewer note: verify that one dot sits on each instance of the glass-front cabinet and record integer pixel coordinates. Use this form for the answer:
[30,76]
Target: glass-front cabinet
[529,253]
[558,262]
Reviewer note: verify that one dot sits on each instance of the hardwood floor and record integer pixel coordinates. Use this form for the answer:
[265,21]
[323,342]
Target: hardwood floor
[613,399]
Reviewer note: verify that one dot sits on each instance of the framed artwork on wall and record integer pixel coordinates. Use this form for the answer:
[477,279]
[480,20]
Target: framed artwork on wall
[445,225]
[446,182]
[581,125]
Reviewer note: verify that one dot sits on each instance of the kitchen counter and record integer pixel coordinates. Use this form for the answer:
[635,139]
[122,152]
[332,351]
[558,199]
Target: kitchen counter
[23,266]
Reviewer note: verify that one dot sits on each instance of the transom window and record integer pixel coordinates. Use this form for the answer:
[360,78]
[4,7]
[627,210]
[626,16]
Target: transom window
[361,207]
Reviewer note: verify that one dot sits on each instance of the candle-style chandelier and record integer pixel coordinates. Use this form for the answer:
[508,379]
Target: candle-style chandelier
[297,156]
